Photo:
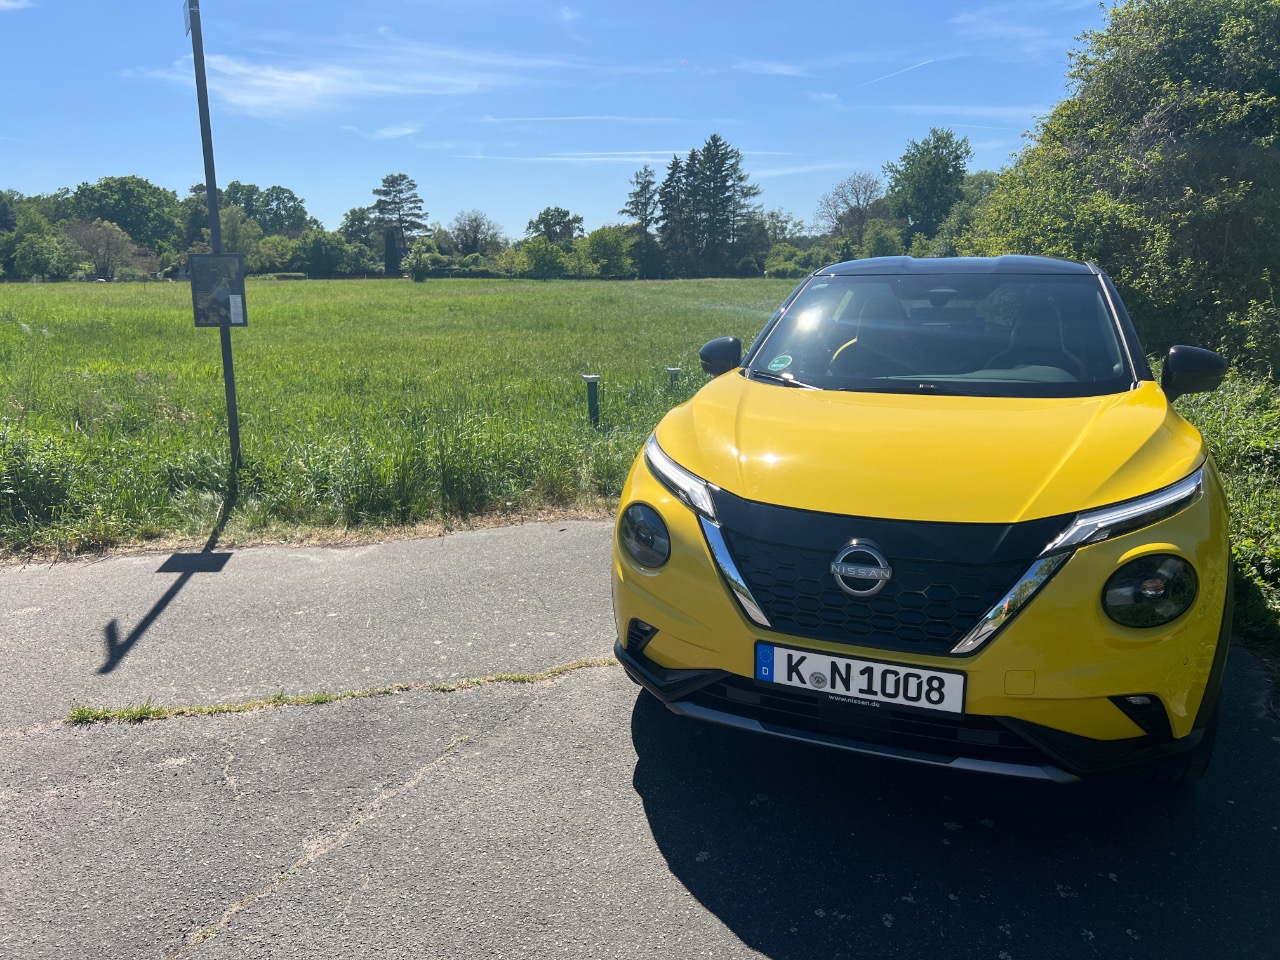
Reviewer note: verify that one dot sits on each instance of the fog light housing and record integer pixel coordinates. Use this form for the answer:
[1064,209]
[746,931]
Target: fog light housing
[1150,591]
[645,535]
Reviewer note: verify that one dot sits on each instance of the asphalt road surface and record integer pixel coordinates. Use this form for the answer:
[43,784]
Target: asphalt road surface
[566,818]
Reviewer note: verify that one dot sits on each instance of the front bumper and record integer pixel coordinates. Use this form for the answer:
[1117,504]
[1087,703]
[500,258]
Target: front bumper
[1004,746]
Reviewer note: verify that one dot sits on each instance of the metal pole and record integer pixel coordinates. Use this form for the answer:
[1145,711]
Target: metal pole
[593,398]
[215,226]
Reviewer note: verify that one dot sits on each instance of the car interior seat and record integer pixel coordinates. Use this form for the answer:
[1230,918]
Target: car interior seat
[883,347]
[1036,340]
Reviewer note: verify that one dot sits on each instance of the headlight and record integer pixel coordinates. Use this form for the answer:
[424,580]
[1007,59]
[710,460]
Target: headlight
[645,535]
[1150,591]
[1104,523]
[693,491]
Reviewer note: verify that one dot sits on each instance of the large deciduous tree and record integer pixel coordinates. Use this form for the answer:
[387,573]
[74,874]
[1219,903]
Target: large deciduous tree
[241,235]
[473,232]
[7,218]
[607,249]
[556,225]
[105,245]
[1163,164]
[319,253]
[193,213]
[42,255]
[927,181]
[277,210]
[282,212]
[147,213]
[544,260]
[243,195]
[844,210]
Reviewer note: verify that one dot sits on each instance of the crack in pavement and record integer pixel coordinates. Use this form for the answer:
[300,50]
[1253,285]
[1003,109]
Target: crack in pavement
[12,733]
[325,842]
[315,849]
[233,782]
[147,712]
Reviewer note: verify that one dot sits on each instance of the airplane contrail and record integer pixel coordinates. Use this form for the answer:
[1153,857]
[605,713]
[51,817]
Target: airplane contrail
[922,63]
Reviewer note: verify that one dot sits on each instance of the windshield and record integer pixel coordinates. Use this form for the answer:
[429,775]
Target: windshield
[982,335]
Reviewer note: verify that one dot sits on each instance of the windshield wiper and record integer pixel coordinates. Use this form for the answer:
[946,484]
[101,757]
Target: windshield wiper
[786,379]
[911,387]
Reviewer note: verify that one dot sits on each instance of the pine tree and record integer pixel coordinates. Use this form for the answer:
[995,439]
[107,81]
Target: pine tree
[705,203]
[398,209]
[672,217]
[642,207]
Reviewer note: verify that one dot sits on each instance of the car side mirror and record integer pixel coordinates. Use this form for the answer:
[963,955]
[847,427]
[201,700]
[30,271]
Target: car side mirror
[1191,370]
[721,355]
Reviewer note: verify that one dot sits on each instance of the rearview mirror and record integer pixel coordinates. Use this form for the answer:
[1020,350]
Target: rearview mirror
[721,355]
[1191,370]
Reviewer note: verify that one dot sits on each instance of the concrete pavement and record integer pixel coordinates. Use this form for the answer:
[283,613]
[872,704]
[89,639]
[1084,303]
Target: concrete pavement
[568,818]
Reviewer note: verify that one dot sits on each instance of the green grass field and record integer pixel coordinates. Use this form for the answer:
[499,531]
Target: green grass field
[361,402]
[372,404]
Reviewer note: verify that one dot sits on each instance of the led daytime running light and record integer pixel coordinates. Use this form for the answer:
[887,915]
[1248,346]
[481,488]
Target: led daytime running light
[1094,526]
[691,490]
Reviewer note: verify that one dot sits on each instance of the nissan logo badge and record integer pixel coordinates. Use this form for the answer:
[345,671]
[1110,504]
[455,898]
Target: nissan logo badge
[861,569]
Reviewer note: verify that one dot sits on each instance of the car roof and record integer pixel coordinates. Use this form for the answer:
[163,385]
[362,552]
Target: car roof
[900,266]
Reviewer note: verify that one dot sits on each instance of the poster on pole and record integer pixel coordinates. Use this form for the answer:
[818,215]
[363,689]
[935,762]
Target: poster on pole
[217,289]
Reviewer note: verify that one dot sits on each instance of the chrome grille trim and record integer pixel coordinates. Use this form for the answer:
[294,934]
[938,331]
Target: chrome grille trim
[729,570]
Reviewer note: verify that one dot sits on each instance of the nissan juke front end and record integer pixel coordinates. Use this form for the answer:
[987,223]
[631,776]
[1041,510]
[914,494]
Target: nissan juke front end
[940,511]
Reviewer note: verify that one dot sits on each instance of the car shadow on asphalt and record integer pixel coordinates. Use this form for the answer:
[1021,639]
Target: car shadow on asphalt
[805,852]
[187,565]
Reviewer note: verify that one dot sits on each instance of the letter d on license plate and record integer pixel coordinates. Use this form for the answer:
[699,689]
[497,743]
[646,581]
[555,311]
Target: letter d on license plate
[858,679]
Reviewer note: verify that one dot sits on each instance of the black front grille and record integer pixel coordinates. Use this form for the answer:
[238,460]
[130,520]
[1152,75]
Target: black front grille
[945,575]
[926,607]
[931,734]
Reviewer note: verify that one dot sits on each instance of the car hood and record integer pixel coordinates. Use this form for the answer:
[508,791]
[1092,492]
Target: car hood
[938,458]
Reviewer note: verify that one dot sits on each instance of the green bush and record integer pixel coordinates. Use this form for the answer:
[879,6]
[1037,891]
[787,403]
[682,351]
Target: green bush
[1241,422]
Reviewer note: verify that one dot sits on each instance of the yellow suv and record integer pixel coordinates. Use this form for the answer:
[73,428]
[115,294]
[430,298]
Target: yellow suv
[941,511]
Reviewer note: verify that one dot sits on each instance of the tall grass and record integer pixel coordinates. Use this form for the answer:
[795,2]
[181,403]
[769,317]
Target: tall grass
[378,402]
[360,402]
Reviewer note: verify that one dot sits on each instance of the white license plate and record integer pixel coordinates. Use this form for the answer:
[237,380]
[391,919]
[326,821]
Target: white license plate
[857,680]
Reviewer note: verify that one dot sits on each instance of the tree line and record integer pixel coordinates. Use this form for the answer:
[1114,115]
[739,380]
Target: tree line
[700,220]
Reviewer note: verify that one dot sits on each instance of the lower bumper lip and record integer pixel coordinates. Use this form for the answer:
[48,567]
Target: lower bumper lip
[1043,772]
[672,686]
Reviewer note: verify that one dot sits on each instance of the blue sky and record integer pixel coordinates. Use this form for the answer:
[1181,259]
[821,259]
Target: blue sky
[509,106]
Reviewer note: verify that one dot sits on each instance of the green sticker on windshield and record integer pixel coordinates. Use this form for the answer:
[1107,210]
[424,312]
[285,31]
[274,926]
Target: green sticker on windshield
[780,363]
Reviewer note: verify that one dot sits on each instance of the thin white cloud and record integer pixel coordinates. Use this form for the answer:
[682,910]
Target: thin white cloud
[824,98]
[267,85]
[588,118]
[394,132]
[581,159]
[773,68]
[1016,31]
[1013,113]
[568,15]
[793,171]
[387,133]
[14,4]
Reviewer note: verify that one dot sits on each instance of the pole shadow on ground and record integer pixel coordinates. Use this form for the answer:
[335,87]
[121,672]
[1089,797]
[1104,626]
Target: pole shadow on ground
[187,565]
